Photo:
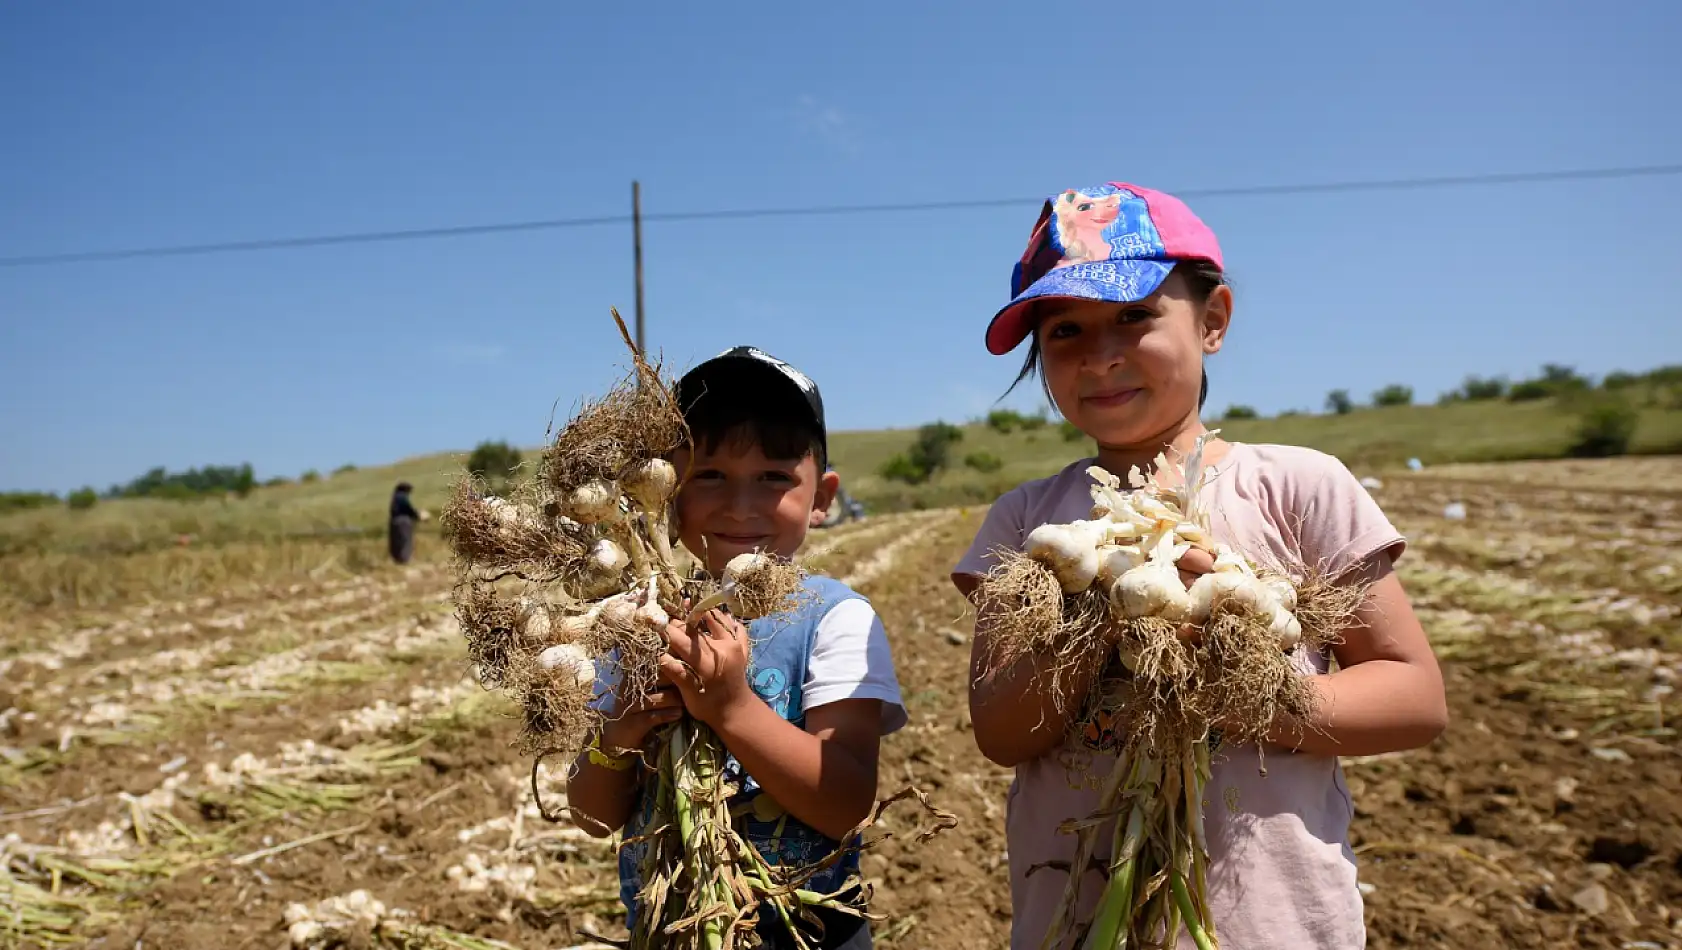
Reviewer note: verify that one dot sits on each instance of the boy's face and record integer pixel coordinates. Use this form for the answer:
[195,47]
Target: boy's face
[735,500]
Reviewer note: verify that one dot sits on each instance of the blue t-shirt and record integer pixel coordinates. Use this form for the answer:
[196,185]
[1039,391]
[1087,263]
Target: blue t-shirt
[781,646]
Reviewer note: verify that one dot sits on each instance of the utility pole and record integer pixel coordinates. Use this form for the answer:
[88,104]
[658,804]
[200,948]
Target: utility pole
[636,244]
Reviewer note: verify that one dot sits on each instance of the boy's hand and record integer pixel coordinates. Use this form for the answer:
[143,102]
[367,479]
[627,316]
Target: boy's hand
[628,730]
[709,665]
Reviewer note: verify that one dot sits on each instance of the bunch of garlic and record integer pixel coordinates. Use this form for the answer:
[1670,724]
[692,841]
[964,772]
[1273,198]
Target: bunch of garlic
[1131,545]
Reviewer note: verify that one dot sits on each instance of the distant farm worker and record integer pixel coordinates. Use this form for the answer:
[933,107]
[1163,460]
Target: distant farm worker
[1120,296]
[400,532]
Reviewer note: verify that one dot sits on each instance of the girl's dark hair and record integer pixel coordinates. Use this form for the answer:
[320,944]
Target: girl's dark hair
[1202,277]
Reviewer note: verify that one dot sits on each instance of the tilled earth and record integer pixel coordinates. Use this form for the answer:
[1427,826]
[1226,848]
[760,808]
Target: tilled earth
[178,775]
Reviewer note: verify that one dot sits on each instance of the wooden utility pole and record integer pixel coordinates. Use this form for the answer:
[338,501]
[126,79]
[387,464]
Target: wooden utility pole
[636,245]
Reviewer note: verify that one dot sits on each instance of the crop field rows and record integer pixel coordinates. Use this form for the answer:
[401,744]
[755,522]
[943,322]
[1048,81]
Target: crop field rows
[230,771]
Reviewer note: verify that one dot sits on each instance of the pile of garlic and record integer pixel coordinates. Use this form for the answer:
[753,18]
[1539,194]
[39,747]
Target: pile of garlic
[1130,546]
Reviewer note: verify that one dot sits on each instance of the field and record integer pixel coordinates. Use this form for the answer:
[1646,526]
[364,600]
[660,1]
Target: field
[185,753]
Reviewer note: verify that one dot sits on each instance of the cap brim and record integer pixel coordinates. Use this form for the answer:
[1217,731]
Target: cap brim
[1113,281]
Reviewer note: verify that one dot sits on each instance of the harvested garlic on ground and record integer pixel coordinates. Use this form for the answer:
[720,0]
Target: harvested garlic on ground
[569,657]
[1070,550]
[593,502]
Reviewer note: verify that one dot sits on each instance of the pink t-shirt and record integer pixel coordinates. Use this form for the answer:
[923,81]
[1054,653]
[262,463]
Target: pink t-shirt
[1282,873]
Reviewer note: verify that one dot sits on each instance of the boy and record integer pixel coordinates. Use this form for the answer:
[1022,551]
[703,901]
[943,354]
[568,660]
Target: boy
[800,699]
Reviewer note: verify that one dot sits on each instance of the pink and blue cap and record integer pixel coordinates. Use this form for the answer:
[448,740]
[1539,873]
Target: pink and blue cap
[1114,242]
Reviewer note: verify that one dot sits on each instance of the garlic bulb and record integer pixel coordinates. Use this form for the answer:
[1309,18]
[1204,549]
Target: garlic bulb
[1114,561]
[569,656]
[607,557]
[1070,550]
[593,502]
[1152,589]
[1283,590]
[651,483]
[1286,628]
[619,610]
[534,621]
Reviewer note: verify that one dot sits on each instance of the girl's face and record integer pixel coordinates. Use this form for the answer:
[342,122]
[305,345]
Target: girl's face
[1129,374]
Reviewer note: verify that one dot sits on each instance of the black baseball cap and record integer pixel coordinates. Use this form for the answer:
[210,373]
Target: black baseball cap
[744,375]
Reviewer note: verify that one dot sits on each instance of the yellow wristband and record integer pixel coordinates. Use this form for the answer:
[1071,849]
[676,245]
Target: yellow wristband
[612,762]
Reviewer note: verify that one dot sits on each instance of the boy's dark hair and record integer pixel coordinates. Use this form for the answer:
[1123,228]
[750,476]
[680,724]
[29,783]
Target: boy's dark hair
[1202,277]
[781,430]
[745,396]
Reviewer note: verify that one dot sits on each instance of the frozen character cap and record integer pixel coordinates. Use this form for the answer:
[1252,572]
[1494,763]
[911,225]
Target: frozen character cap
[1115,242]
[748,375]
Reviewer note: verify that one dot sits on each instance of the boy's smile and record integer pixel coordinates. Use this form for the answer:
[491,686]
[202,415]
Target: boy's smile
[736,500]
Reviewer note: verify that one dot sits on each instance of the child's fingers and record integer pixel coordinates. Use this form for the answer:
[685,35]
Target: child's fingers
[722,626]
[678,671]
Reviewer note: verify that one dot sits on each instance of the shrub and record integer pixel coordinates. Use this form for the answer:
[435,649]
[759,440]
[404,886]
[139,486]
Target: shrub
[927,455]
[495,462]
[82,499]
[1240,412]
[900,468]
[26,500]
[1475,389]
[934,445]
[1605,428]
[310,476]
[1035,421]
[1529,390]
[276,481]
[1071,432]
[983,461]
[1004,421]
[1339,403]
[1394,394]
[344,469]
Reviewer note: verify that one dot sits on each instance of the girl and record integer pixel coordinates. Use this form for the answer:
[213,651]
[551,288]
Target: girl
[1119,343]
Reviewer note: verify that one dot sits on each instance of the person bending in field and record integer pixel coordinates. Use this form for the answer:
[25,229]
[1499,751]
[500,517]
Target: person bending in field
[800,699]
[400,524]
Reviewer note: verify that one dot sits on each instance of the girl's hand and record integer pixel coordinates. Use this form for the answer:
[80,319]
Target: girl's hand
[1194,564]
[626,731]
[709,665]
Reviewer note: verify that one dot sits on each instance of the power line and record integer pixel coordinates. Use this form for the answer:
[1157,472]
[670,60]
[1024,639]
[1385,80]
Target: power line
[557,224]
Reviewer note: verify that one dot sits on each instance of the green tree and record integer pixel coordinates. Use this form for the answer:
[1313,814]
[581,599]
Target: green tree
[1003,421]
[1240,412]
[1605,428]
[1338,402]
[1394,394]
[495,462]
[983,462]
[82,499]
[1071,432]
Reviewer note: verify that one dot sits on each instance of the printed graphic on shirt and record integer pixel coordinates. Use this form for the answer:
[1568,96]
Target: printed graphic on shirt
[771,685]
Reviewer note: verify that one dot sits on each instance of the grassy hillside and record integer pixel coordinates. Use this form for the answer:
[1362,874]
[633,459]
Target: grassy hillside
[52,556]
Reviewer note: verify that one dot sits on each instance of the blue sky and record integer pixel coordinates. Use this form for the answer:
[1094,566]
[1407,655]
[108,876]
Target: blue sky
[172,123]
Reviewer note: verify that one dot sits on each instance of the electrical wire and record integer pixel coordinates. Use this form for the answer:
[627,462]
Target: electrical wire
[556,224]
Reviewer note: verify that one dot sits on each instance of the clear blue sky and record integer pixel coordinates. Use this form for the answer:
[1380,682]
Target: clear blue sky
[158,123]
